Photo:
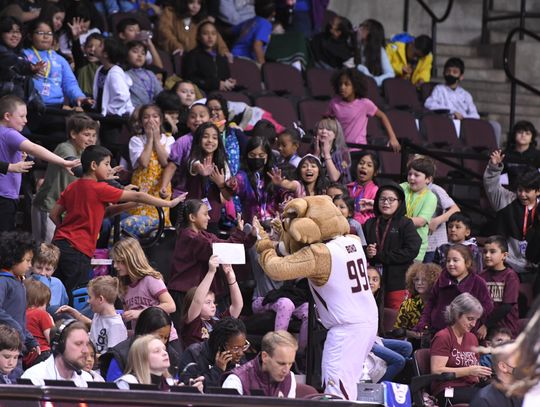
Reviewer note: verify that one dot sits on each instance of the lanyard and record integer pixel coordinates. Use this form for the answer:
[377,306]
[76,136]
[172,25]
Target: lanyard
[412,204]
[48,70]
[380,242]
[359,197]
[526,219]
[261,195]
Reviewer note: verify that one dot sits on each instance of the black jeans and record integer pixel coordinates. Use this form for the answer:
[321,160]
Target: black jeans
[73,267]
[8,209]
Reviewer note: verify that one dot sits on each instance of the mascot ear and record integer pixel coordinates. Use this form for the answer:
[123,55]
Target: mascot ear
[304,230]
[296,208]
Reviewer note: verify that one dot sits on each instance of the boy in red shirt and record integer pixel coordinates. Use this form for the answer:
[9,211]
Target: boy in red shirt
[84,203]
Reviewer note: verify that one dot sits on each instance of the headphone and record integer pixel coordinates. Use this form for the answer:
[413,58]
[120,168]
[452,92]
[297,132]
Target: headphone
[58,340]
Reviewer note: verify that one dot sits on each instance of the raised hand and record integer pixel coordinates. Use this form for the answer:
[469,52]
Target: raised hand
[496,157]
[275,176]
[76,27]
[213,263]
[218,176]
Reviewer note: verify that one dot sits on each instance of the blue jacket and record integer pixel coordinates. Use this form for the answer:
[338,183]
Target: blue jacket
[13,306]
[60,79]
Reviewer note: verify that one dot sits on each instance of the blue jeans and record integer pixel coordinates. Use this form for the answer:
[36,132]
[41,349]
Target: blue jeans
[395,352]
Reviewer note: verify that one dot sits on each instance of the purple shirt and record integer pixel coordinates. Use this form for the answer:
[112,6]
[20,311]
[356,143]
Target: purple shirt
[179,155]
[10,142]
[353,117]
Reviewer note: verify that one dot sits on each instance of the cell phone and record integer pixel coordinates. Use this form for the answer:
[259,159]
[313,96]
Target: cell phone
[144,35]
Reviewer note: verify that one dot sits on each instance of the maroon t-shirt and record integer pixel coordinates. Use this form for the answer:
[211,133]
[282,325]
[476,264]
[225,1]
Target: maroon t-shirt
[503,288]
[445,344]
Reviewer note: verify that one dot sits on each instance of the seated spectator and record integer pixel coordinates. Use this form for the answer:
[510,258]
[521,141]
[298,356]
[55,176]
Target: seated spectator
[145,86]
[234,12]
[15,70]
[38,321]
[411,57]
[147,363]
[335,45]
[91,363]
[495,337]
[10,350]
[106,327]
[457,277]
[253,35]
[168,101]
[459,231]
[373,59]
[141,286]
[364,188]
[178,26]
[56,14]
[521,145]
[494,394]
[69,347]
[346,205]
[87,63]
[24,11]
[187,91]
[204,65]
[270,371]
[44,264]
[336,188]
[224,350]
[81,132]
[200,304]
[110,7]
[394,352]
[392,242]
[288,143]
[111,84]
[453,350]
[515,213]
[503,286]
[152,321]
[129,29]
[82,21]
[420,278]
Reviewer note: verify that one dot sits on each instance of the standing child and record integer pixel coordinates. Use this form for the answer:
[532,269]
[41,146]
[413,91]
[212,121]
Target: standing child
[521,145]
[363,190]
[312,179]
[456,278]
[10,349]
[392,242]
[16,252]
[145,83]
[141,286]
[44,264]
[503,286]
[83,203]
[106,327]
[459,231]
[38,321]
[200,304]
[12,143]
[330,147]
[187,92]
[129,29]
[209,172]
[352,109]
[204,65]
[82,132]
[193,250]
[288,143]
[111,84]
[345,204]
[421,202]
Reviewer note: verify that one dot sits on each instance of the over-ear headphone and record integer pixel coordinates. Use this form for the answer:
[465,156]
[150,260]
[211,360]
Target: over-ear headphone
[58,340]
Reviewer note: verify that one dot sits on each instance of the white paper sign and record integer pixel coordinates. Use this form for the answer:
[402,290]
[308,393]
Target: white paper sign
[229,253]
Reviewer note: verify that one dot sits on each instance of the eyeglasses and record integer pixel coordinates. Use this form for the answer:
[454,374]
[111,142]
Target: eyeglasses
[390,200]
[238,349]
[44,33]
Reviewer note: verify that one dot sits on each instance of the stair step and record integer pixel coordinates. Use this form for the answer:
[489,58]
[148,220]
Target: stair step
[504,120]
[470,62]
[487,95]
[485,75]
[459,50]
[504,108]
[514,5]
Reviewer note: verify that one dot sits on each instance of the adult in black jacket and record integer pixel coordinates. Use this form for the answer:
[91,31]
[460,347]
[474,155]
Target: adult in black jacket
[392,241]
[204,66]
[223,351]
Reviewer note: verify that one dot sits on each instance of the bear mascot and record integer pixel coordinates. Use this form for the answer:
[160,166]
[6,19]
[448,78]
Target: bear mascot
[315,244]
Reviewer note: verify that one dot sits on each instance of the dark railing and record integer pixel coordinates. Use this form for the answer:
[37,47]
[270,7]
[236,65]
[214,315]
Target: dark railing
[522,14]
[513,80]
[434,21]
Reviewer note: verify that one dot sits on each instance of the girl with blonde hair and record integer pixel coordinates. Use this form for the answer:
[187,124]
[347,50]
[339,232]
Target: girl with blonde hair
[141,286]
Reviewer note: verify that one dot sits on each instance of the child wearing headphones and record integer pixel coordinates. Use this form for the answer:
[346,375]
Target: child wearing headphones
[106,327]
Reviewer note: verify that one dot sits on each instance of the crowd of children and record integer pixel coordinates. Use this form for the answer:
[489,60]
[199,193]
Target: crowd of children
[185,151]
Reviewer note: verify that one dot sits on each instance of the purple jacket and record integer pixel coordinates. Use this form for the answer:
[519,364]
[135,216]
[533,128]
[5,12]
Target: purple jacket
[253,378]
[443,293]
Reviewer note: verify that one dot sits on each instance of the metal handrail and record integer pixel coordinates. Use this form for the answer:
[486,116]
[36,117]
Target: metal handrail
[509,74]
[522,14]
[434,21]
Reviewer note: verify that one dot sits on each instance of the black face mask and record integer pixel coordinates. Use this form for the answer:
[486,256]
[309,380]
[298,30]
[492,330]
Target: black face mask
[450,79]
[255,164]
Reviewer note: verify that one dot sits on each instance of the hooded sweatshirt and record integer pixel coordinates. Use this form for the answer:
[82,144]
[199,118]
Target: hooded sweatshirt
[397,241]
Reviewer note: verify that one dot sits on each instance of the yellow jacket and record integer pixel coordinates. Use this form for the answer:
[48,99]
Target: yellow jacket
[397,55]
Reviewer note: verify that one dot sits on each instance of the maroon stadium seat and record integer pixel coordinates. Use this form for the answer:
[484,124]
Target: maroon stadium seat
[479,134]
[311,112]
[401,94]
[319,82]
[247,74]
[283,79]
